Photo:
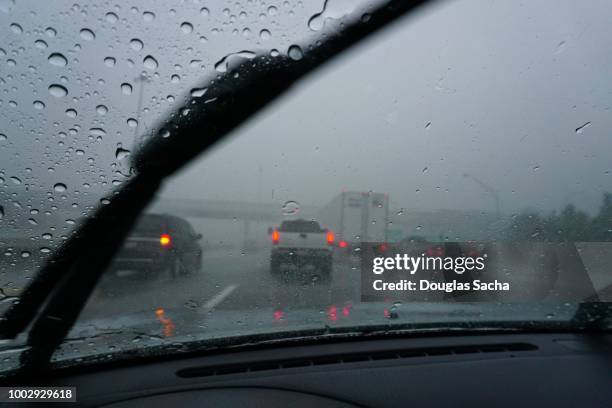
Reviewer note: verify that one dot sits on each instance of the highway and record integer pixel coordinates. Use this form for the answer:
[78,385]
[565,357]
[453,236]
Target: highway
[229,280]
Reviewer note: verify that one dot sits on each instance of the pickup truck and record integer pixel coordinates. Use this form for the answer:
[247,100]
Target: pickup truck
[302,242]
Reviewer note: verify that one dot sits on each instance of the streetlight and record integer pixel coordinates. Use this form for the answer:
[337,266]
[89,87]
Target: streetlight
[494,193]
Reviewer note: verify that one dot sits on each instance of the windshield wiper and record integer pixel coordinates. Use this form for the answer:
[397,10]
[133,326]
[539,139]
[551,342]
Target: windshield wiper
[63,285]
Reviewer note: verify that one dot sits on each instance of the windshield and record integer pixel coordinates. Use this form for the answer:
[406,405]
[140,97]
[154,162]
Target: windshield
[449,170]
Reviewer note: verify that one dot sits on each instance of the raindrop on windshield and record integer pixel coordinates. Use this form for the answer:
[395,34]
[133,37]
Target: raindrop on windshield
[102,110]
[38,105]
[58,90]
[165,133]
[131,122]
[60,187]
[25,254]
[121,153]
[109,62]
[264,34]
[197,92]
[582,128]
[331,9]
[295,53]
[186,27]
[87,34]
[50,31]
[126,88]
[97,132]
[57,59]
[40,44]
[136,44]
[222,64]
[428,125]
[148,16]
[111,17]
[149,62]
[16,28]
[204,12]
[71,113]
[15,180]
[290,208]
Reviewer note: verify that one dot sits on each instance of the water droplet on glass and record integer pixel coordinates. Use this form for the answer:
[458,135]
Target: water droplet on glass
[15,180]
[131,122]
[58,90]
[265,34]
[148,16]
[136,44]
[25,254]
[290,208]
[45,250]
[295,53]
[204,12]
[50,32]
[71,113]
[109,62]
[197,92]
[97,131]
[222,64]
[582,128]
[16,28]
[186,27]
[60,187]
[121,153]
[38,105]
[87,34]
[111,17]
[126,88]
[102,110]
[149,62]
[428,125]
[40,44]
[165,133]
[57,59]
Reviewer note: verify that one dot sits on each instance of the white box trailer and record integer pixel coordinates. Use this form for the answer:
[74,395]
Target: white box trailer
[356,217]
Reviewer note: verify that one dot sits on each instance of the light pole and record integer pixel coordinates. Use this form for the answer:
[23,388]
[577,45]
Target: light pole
[494,193]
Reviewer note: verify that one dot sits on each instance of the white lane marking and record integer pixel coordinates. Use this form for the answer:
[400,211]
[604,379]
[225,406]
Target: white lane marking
[218,298]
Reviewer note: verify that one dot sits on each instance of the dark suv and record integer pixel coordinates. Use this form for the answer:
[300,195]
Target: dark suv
[160,245]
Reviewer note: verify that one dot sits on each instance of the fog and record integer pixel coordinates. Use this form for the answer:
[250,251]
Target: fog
[447,109]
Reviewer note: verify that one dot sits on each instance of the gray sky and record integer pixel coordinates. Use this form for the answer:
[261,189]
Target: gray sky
[503,84]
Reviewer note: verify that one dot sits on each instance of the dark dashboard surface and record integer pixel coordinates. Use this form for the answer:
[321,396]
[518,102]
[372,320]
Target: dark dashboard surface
[486,370]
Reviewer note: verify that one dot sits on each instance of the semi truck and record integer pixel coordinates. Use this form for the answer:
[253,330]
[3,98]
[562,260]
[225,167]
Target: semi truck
[356,217]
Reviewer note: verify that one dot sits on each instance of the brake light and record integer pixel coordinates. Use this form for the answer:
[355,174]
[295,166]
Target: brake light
[275,237]
[165,240]
[342,244]
[330,238]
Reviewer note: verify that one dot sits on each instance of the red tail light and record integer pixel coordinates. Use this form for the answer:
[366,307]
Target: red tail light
[275,237]
[165,240]
[330,238]
[342,244]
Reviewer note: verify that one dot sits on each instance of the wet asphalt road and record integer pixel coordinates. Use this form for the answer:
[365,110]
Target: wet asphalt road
[229,280]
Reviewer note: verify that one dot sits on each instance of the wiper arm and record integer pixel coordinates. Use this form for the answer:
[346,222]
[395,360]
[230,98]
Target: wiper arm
[69,276]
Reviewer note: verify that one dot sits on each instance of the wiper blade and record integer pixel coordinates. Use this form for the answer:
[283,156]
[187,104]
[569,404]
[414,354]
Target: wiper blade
[69,276]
